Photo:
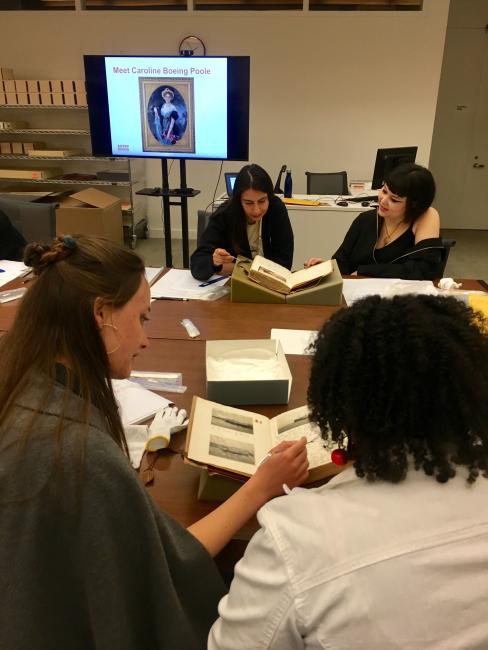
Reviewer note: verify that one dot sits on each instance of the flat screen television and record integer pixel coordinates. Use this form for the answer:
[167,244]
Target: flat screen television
[168,106]
[388,159]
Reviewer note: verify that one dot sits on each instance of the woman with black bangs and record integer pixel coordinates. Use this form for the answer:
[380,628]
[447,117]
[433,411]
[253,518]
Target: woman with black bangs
[393,552]
[399,239]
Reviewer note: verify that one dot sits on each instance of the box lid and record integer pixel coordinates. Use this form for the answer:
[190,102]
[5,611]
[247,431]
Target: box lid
[95,198]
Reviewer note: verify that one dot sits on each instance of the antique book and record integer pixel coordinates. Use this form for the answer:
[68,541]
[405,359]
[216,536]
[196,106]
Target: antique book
[234,442]
[277,277]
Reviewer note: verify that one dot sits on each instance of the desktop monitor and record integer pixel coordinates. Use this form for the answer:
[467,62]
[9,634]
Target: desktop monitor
[388,159]
[169,106]
[230,179]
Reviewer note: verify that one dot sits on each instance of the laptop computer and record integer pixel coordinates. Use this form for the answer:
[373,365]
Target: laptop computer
[230,179]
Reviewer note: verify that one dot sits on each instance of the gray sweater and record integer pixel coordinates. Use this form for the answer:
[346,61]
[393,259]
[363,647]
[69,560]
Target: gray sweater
[86,559]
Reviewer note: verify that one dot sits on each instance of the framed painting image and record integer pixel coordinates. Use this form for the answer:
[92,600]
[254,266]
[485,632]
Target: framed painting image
[167,114]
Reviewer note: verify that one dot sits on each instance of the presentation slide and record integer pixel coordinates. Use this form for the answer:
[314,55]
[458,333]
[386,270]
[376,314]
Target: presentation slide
[168,106]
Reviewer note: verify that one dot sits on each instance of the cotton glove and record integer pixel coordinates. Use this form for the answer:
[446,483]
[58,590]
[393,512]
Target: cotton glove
[166,422]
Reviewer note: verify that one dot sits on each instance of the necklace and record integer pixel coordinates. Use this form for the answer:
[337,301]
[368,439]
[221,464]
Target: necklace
[388,237]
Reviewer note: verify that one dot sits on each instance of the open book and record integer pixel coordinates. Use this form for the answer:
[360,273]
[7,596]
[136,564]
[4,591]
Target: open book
[277,277]
[232,441]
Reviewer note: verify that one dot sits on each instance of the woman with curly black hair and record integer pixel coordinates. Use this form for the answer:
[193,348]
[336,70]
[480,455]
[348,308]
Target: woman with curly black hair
[393,552]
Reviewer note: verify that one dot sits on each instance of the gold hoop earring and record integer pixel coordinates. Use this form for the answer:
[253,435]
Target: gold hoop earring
[116,329]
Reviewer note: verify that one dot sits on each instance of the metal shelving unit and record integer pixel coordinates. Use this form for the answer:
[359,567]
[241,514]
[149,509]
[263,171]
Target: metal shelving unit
[134,218]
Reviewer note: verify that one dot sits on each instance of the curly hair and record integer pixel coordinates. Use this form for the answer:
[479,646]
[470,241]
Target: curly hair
[404,378]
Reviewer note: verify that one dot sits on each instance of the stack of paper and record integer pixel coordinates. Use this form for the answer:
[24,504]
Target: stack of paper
[180,284]
[10,270]
[386,287]
[136,404]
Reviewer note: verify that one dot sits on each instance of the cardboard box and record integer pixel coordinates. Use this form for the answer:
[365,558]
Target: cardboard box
[56,86]
[68,86]
[224,386]
[90,212]
[5,147]
[23,99]
[32,85]
[81,99]
[11,99]
[69,99]
[3,99]
[30,174]
[44,86]
[17,147]
[28,146]
[20,86]
[46,99]
[34,98]
[6,73]
[9,86]
[58,99]
[79,85]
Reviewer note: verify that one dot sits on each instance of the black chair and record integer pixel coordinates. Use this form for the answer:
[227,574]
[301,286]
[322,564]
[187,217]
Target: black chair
[203,217]
[327,183]
[448,244]
[34,221]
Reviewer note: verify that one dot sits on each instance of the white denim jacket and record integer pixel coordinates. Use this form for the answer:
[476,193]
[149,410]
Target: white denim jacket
[370,566]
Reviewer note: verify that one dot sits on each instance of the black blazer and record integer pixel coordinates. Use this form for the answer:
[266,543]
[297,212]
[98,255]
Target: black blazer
[276,233]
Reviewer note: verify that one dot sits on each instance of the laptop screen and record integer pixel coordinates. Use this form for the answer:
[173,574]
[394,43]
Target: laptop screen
[230,179]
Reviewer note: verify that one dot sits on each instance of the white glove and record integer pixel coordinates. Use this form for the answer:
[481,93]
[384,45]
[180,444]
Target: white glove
[166,421]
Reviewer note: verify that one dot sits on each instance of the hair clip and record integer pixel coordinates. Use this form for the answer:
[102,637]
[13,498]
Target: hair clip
[69,242]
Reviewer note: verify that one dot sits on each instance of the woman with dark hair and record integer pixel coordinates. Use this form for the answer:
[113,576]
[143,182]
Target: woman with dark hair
[252,222]
[86,558]
[399,239]
[165,119]
[393,552]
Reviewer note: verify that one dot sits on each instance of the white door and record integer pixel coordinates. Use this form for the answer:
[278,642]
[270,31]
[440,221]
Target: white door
[459,153]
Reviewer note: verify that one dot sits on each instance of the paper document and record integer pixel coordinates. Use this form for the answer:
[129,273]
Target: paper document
[152,272]
[294,341]
[386,287]
[136,404]
[11,270]
[179,283]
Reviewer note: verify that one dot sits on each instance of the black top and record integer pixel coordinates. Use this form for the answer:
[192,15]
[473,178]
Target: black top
[400,259]
[276,233]
[11,241]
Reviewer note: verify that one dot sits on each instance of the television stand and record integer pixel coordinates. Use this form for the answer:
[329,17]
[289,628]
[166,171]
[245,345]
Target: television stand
[183,193]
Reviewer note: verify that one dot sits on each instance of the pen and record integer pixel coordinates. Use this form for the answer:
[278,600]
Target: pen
[205,284]
[169,298]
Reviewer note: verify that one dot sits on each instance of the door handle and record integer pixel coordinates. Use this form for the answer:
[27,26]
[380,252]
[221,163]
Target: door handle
[478,165]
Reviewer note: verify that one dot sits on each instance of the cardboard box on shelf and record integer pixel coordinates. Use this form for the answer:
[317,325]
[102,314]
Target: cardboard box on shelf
[28,146]
[79,85]
[81,99]
[32,85]
[6,73]
[9,86]
[3,99]
[44,86]
[30,174]
[11,99]
[90,212]
[68,85]
[20,85]
[58,99]
[46,99]
[56,86]
[17,147]
[5,147]
[34,98]
[22,99]
[69,99]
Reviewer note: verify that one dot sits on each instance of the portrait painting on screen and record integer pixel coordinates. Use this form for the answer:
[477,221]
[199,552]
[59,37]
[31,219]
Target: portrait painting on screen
[167,114]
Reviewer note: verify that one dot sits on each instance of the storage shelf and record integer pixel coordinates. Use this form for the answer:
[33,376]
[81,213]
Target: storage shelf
[19,156]
[46,131]
[62,181]
[36,106]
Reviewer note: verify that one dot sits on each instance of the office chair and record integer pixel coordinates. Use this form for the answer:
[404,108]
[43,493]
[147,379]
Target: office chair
[448,244]
[203,217]
[34,221]
[327,183]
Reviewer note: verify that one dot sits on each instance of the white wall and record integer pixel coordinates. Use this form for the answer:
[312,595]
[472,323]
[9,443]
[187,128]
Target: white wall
[327,88]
